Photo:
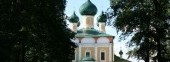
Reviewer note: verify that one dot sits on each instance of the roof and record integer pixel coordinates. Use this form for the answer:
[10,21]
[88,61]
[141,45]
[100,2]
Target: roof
[91,32]
[88,8]
[74,18]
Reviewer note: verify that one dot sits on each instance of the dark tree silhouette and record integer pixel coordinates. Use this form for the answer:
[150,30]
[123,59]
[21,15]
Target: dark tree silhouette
[148,21]
[34,30]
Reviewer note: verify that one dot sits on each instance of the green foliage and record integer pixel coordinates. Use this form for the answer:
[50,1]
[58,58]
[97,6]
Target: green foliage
[34,30]
[118,59]
[148,21]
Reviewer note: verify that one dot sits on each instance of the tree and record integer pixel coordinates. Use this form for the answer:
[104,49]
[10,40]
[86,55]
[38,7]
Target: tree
[34,30]
[147,20]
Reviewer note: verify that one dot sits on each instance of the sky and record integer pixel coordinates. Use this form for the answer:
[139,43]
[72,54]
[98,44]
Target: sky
[102,5]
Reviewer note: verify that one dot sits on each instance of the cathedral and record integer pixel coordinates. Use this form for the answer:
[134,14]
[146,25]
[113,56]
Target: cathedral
[93,45]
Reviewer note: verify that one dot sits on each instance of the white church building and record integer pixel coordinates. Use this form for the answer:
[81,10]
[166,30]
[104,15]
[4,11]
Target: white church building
[92,44]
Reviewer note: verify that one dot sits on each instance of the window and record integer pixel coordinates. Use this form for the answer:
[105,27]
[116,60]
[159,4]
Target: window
[102,56]
[87,54]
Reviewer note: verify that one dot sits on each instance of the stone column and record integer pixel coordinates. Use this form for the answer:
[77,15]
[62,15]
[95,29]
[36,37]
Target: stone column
[79,52]
[110,52]
[95,51]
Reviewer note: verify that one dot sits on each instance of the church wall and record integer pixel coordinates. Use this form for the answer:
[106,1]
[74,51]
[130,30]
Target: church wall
[100,48]
[90,46]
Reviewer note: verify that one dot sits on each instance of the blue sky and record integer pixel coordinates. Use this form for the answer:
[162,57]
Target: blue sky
[102,5]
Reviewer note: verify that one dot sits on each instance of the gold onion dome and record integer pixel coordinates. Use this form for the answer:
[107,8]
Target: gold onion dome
[102,17]
[88,8]
[73,18]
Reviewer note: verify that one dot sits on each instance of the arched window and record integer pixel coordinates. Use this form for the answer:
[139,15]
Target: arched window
[102,55]
[87,53]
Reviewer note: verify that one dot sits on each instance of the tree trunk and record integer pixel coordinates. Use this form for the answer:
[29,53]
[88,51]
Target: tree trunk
[147,49]
[159,52]
[159,30]
[147,57]
[159,48]
[23,52]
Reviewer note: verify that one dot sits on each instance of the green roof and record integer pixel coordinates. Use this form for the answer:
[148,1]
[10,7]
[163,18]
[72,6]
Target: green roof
[102,17]
[88,8]
[91,32]
[88,59]
[73,18]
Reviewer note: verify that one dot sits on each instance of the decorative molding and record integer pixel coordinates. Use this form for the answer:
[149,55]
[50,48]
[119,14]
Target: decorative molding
[93,45]
[102,45]
[88,45]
